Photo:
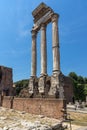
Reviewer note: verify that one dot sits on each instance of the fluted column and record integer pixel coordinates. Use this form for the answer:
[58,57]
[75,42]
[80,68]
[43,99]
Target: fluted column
[43,50]
[34,54]
[55,44]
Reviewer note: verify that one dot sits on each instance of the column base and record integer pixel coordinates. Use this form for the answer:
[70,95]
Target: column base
[31,84]
[56,89]
[42,83]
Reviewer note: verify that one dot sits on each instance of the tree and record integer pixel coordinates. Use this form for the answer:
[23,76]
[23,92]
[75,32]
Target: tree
[20,85]
[80,92]
[73,75]
[80,80]
[85,80]
[85,90]
[80,88]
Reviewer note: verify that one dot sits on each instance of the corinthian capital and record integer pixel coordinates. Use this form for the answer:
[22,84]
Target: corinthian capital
[55,17]
[43,26]
[34,33]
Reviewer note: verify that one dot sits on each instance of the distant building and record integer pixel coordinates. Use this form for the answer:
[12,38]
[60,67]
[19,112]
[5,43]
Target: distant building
[6,81]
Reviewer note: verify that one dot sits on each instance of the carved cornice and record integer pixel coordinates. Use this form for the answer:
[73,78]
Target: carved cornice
[39,8]
[41,11]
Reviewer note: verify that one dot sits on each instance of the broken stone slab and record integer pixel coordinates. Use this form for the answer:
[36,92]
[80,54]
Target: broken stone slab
[3,118]
[43,128]
[12,110]
[15,128]
[27,124]
[23,112]
[6,128]
[37,123]
[57,126]
[14,125]
[11,128]
[41,116]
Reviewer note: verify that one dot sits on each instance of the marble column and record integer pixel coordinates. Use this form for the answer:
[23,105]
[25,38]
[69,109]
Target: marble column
[43,50]
[55,44]
[34,54]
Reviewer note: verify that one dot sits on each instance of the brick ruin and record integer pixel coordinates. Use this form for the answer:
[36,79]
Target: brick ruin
[6,81]
[53,108]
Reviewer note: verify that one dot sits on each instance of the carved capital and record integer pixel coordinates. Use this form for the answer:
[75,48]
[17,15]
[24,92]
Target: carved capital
[34,33]
[55,18]
[43,26]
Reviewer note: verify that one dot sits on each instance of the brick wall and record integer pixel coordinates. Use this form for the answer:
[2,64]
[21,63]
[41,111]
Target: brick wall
[6,81]
[6,102]
[48,107]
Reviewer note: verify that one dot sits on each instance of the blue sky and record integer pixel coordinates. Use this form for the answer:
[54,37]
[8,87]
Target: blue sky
[16,22]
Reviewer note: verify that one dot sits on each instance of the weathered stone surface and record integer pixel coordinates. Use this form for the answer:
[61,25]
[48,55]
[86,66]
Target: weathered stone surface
[43,50]
[31,85]
[42,83]
[57,85]
[54,85]
[6,81]
[43,15]
[26,121]
[34,53]
[55,43]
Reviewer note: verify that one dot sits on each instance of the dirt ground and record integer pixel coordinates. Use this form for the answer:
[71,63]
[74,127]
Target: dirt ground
[78,121]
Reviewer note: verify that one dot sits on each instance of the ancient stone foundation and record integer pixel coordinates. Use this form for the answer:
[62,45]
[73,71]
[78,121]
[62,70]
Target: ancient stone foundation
[48,107]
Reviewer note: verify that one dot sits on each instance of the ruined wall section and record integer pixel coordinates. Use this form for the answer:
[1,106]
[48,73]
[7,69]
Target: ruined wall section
[48,107]
[6,81]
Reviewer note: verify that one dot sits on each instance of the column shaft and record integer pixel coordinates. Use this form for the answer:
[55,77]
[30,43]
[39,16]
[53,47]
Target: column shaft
[34,54]
[43,50]
[55,44]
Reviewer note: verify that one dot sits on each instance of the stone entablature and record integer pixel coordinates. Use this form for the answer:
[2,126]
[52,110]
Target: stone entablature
[41,11]
[42,14]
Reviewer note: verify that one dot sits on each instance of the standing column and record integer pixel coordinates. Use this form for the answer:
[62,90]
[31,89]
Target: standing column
[34,54]
[43,50]
[55,44]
